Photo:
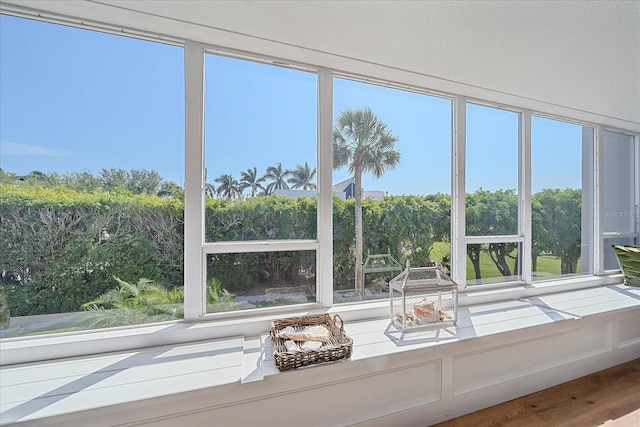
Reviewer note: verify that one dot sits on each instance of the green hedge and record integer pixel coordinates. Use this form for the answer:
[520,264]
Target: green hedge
[62,248]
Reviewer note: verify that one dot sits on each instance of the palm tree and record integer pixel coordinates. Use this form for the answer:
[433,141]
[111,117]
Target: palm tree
[250,180]
[362,142]
[209,190]
[302,176]
[228,187]
[277,175]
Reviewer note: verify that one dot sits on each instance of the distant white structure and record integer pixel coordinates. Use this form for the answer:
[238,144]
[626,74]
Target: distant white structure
[294,194]
[346,190]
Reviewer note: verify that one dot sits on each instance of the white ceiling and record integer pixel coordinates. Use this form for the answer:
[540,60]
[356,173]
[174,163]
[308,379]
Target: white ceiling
[583,55]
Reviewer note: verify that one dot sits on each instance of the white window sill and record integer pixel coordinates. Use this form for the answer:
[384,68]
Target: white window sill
[46,389]
[56,346]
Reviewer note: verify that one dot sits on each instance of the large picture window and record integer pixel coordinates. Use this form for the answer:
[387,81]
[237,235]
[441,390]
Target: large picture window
[391,185]
[562,198]
[145,182]
[91,211]
[260,124]
[494,240]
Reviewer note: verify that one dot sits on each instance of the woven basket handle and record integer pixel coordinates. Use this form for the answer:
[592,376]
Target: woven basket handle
[337,317]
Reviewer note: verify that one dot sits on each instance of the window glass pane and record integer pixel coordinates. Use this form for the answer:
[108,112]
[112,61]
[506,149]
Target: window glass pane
[242,281]
[619,207]
[91,206]
[395,146]
[620,214]
[491,171]
[260,151]
[493,263]
[561,187]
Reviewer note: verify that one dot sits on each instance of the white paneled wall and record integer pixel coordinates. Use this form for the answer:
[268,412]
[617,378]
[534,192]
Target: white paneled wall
[497,352]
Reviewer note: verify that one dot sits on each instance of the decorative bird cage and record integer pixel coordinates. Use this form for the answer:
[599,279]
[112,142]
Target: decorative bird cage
[423,297]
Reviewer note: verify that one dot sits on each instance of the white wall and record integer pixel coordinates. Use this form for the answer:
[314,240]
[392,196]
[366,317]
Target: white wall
[564,57]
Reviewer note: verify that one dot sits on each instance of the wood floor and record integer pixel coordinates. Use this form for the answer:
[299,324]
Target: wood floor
[607,398]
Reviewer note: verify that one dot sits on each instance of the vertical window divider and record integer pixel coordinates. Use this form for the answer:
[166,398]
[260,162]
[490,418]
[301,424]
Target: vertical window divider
[324,256]
[458,191]
[636,168]
[194,258]
[524,218]
[598,244]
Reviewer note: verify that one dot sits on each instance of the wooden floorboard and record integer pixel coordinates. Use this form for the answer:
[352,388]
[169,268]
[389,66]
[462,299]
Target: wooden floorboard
[607,398]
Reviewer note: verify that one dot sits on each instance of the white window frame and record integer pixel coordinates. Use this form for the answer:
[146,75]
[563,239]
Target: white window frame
[599,235]
[196,247]
[523,238]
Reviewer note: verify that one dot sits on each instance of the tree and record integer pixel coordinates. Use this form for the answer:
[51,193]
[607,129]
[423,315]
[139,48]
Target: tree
[362,142]
[209,190]
[143,181]
[170,189]
[560,213]
[82,181]
[137,181]
[302,176]
[492,213]
[228,187]
[250,179]
[278,176]
[113,178]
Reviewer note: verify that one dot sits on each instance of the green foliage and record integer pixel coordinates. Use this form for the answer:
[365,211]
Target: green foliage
[407,227]
[302,176]
[144,293]
[259,218]
[143,302]
[5,312]
[557,225]
[137,181]
[278,177]
[134,303]
[363,143]
[216,294]
[62,246]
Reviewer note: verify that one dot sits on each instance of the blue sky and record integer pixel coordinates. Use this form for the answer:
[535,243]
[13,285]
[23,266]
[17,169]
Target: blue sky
[73,100]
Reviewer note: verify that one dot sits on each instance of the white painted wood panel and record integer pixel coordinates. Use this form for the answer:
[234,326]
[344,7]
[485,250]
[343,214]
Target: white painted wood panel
[45,389]
[629,332]
[496,352]
[351,400]
[482,369]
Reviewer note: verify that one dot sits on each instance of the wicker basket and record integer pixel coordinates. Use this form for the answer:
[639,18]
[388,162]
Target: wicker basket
[338,347]
[629,260]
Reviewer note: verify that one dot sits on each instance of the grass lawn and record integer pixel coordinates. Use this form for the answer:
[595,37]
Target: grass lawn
[548,266]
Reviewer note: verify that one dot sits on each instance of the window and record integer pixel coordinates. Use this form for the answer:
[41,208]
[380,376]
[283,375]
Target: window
[260,125]
[391,185]
[562,198]
[97,206]
[90,181]
[619,196]
[494,240]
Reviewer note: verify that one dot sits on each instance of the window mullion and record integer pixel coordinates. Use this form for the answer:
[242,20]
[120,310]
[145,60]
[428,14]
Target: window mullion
[194,264]
[324,256]
[524,213]
[459,248]
[598,242]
